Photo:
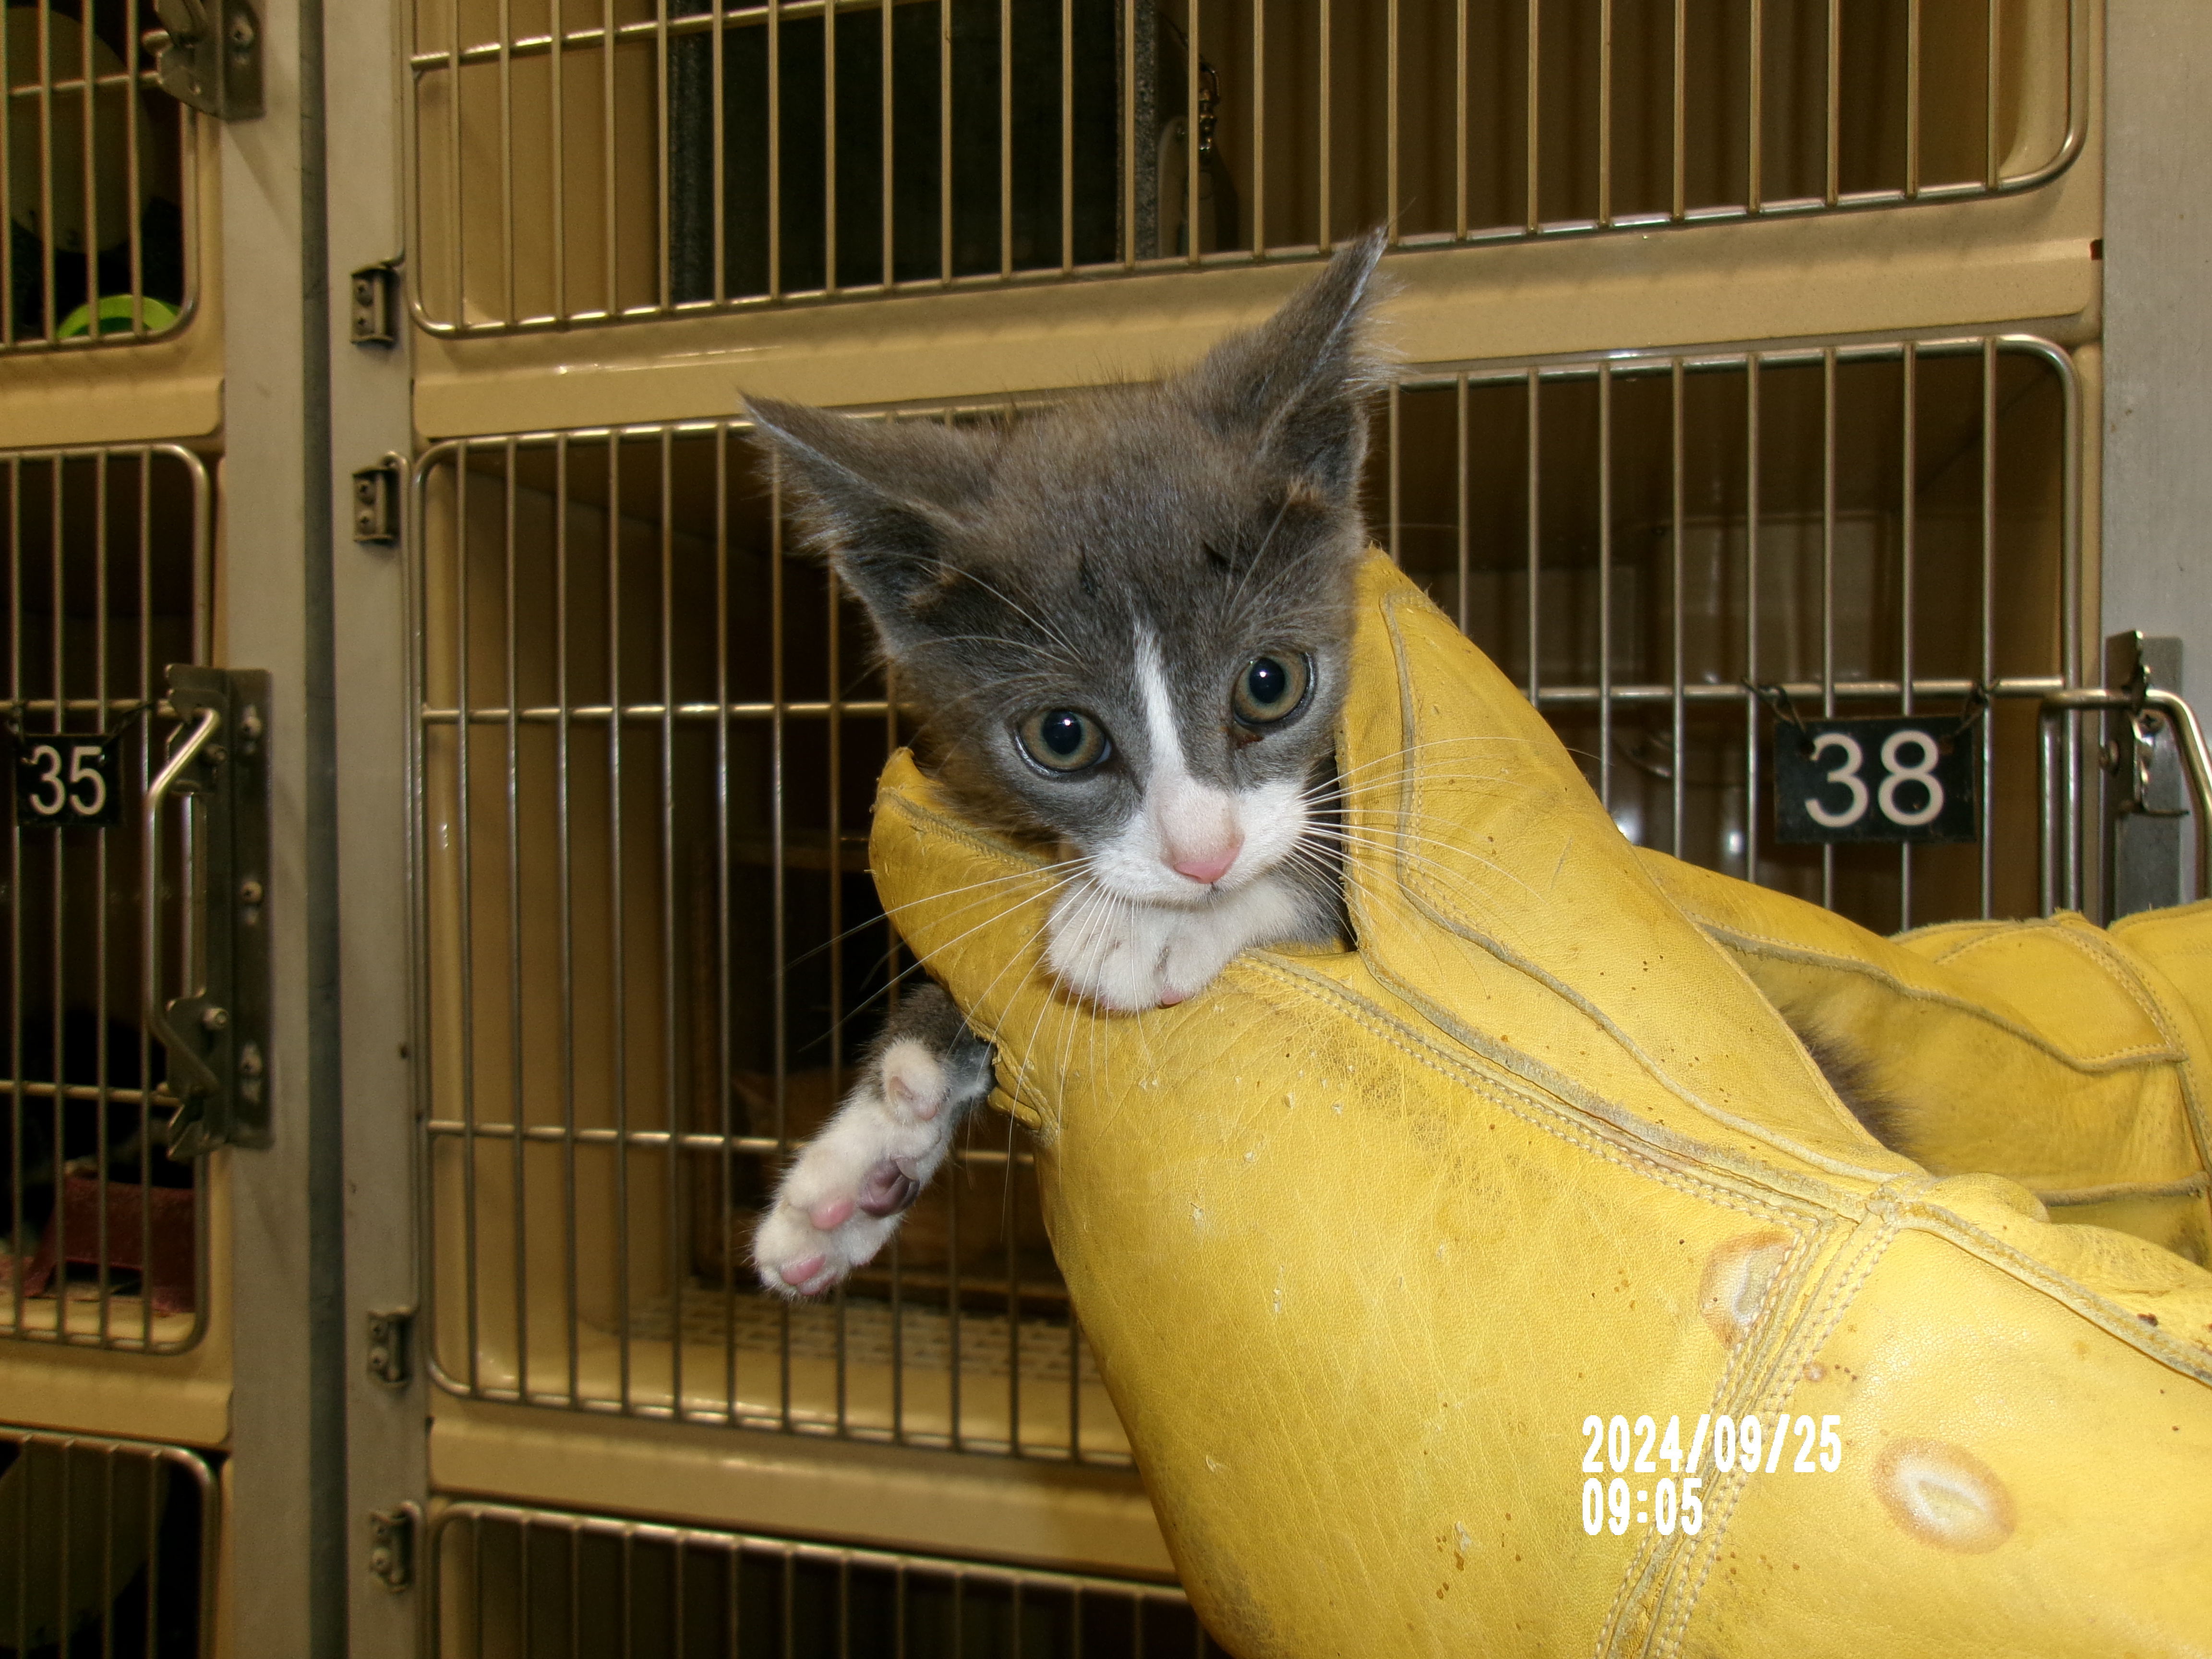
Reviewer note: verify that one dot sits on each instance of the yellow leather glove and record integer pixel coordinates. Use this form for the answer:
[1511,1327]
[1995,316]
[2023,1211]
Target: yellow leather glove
[2061,1055]
[1361,1240]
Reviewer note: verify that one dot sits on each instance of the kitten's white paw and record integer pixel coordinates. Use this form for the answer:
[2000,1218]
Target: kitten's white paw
[844,1197]
[1130,956]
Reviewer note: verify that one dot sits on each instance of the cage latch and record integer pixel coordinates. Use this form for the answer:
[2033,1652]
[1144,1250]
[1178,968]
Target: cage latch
[376,501]
[213,60]
[391,1336]
[391,1546]
[375,290]
[217,1037]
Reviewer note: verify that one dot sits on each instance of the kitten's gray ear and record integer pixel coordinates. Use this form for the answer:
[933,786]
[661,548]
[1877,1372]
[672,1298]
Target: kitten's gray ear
[1297,386]
[880,498]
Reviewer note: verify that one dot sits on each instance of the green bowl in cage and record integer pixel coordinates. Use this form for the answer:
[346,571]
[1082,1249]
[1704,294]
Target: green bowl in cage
[116,313]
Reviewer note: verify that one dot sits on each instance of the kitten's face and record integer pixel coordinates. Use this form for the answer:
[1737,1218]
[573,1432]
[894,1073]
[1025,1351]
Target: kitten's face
[1124,620]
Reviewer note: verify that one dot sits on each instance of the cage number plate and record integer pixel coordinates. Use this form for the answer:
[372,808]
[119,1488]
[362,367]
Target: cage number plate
[66,780]
[1888,780]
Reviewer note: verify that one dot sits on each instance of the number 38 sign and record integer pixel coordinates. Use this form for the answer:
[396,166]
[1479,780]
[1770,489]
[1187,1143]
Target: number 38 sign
[1893,779]
[65,780]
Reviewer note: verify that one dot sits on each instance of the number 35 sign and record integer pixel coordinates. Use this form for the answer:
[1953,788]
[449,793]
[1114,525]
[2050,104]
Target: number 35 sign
[1891,780]
[66,780]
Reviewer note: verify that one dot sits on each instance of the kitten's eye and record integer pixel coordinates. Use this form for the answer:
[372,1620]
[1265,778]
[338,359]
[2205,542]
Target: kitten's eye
[1063,740]
[1271,688]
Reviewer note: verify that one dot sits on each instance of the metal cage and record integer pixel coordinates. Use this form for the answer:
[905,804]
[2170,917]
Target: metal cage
[107,582]
[106,1546]
[648,735]
[573,164]
[98,180]
[508,1581]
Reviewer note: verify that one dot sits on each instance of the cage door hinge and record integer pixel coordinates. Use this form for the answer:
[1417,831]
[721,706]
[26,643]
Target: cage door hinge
[390,1340]
[391,1545]
[216,1035]
[375,290]
[213,60]
[376,501]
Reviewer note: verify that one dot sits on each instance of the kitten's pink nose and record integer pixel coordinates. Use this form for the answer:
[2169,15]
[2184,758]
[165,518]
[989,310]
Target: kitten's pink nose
[1208,865]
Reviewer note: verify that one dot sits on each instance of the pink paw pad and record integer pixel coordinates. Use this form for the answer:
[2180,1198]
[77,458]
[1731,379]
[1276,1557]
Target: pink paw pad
[830,1212]
[796,1274]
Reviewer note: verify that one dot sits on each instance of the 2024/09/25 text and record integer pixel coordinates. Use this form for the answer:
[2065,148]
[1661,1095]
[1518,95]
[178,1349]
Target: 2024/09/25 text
[1676,1498]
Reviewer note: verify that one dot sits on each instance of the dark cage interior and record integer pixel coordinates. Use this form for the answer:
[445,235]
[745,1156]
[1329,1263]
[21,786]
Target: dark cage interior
[514,1583]
[95,186]
[104,587]
[107,1548]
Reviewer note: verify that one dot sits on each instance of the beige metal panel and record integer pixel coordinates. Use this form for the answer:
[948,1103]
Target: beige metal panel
[184,1397]
[1938,266]
[1013,1511]
[168,387]
[2159,272]
[369,419]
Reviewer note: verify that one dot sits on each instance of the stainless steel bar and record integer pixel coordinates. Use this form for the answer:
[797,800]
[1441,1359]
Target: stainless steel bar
[890,124]
[1533,216]
[456,238]
[565,930]
[1908,534]
[7,199]
[1987,654]
[142,750]
[663,286]
[1535,515]
[1992,91]
[1066,137]
[1259,130]
[719,74]
[47,233]
[1190,216]
[1828,583]
[58,910]
[87,102]
[519,1204]
[776,147]
[779,908]
[611,149]
[1391,94]
[671,982]
[1677,705]
[506,163]
[132,183]
[1605,584]
[1604,112]
[101,622]
[1751,658]
[1755,130]
[1912,99]
[1832,165]
[1460,491]
[464,919]
[1680,169]
[1006,137]
[725,1061]
[618,933]
[830,284]
[600,714]
[14,898]
[557,167]
[944,140]
[1324,230]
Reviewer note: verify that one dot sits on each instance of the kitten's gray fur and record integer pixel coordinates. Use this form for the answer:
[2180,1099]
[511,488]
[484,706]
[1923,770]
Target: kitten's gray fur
[1127,554]
[1125,557]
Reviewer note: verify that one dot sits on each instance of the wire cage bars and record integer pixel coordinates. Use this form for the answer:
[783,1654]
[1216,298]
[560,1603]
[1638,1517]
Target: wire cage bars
[575,162]
[106,571]
[648,733]
[508,1582]
[98,177]
[106,1546]
[1642,540]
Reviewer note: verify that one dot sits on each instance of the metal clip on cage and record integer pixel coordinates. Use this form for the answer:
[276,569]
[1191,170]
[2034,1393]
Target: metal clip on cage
[213,60]
[218,1036]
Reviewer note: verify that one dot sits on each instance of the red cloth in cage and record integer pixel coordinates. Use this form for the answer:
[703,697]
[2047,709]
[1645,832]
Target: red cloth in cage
[168,1278]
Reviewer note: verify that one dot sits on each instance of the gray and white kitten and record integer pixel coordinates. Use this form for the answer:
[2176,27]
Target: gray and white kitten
[1124,624]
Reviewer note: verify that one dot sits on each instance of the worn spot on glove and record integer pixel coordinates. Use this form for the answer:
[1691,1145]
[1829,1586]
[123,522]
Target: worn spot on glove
[1944,1495]
[1737,1276]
